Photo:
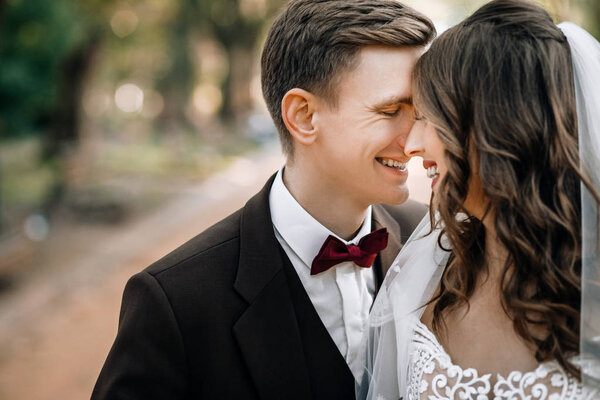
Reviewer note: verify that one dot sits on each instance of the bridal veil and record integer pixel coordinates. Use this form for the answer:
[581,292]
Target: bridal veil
[585,53]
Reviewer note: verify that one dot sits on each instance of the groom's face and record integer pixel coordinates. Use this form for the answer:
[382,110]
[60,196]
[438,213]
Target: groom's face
[361,138]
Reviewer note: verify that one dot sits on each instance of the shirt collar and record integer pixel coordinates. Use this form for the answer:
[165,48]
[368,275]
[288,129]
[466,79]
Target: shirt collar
[301,231]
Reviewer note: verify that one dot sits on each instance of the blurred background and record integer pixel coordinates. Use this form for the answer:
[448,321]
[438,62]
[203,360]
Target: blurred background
[127,127]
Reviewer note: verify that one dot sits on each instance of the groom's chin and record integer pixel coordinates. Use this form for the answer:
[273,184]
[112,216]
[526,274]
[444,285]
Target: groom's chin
[397,196]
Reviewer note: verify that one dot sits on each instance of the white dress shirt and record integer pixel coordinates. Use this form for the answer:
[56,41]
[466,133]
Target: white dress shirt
[342,295]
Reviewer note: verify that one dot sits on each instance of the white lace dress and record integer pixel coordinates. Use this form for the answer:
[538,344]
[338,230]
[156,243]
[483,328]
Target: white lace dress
[432,376]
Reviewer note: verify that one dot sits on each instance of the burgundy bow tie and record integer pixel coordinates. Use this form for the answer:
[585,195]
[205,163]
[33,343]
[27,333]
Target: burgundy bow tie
[334,251]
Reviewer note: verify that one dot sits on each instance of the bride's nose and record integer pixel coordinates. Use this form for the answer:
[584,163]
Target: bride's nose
[414,141]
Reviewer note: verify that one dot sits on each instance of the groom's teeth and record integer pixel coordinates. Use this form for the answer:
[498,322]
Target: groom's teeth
[432,171]
[392,163]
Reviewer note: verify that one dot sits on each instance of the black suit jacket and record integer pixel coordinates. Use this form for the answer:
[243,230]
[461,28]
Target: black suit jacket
[226,317]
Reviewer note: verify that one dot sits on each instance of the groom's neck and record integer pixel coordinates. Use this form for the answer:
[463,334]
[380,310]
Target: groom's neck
[337,210]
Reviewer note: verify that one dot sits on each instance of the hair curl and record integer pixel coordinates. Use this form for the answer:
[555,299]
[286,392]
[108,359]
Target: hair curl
[499,89]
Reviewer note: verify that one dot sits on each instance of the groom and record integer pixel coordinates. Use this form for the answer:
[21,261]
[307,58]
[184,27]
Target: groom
[271,302]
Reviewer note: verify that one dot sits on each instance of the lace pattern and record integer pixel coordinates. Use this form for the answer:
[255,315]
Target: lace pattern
[433,376]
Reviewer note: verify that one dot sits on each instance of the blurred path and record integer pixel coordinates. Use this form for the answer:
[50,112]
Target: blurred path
[56,331]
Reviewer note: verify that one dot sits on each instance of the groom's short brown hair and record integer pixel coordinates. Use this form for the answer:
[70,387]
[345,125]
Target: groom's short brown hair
[313,42]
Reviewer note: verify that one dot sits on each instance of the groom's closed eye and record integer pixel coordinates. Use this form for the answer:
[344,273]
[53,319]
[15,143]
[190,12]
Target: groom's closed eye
[391,112]
[392,107]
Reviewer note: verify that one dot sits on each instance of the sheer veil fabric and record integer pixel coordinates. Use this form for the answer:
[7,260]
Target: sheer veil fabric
[416,272]
[585,52]
[408,285]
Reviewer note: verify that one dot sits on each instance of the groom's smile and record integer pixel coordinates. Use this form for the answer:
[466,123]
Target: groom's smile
[391,163]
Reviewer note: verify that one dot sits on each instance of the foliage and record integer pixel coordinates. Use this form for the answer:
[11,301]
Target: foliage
[36,35]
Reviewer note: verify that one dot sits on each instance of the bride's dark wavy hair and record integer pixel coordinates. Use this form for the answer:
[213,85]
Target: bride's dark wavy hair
[499,89]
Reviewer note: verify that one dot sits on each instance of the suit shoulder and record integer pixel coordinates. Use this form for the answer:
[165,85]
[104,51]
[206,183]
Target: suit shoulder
[408,209]
[224,233]
[408,215]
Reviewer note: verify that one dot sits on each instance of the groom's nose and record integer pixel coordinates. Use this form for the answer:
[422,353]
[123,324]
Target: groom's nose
[413,145]
[403,131]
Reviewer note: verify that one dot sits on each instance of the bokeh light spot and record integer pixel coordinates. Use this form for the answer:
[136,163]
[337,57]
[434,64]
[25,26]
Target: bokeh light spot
[129,98]
[36,228]
[124,23]
[207,99]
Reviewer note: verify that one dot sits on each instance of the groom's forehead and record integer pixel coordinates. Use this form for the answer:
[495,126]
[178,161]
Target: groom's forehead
[382,74]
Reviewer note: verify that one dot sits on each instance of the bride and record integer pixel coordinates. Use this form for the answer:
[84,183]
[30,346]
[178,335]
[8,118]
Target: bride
[505,105]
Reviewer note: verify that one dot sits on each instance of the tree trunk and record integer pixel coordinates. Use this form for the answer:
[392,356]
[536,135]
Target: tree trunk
[63,135]
[176,86]
[65,124]
[2,211]
[237,101]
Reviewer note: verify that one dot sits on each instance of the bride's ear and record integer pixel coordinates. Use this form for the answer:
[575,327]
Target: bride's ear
[297,111]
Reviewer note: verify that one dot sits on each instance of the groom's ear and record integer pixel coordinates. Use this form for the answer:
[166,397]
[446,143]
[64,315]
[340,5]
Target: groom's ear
[297,111]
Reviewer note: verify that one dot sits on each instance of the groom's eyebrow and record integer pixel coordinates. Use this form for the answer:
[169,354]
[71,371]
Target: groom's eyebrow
[393,101]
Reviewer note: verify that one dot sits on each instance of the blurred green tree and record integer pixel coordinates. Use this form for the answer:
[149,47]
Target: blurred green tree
[177,84]
[584,12]
[593,6]
[37,36]
[46,52]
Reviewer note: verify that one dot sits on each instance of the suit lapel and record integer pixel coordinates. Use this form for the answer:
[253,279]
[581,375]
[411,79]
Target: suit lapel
[267,332]
[382,219]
